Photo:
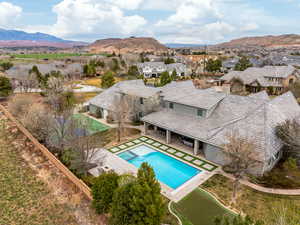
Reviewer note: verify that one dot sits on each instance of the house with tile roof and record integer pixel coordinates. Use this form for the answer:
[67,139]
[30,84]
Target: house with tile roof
[274,79]
[203,118]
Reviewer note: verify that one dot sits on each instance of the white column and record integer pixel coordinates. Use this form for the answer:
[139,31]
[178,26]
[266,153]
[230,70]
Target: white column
[168,137]
[196,147]
[145,128]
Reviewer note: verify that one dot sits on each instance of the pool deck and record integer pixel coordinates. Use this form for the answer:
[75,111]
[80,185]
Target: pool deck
[121,166]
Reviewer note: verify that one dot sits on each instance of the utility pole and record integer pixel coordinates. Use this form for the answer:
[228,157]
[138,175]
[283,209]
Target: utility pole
[205,54]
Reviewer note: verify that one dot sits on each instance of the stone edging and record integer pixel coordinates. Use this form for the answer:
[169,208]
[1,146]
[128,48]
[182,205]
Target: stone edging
[174,214]
[132,143]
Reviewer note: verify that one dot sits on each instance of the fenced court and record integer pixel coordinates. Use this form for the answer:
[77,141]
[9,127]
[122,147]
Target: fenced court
[93,126]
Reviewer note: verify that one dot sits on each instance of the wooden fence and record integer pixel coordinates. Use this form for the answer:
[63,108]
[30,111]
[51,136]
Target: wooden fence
[59,165]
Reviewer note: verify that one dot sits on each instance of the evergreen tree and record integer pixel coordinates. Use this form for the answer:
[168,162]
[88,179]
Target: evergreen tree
[103,190]
[243,64]
[213,65]
[139,202]
[174,75]
[133,71]
[165,78]
[148,201]
[169,60]
[6,65]
[40,78]
[107,80]
[5,87]
[121,209]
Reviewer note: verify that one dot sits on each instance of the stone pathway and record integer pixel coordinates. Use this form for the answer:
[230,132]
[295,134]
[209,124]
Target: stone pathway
[264,189]
[195,161]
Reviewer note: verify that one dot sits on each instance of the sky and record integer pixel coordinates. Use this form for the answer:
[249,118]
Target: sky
[169,21]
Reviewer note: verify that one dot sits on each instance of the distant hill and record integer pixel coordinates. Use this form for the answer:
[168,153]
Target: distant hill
[270,41]
[16,38]
[133,44]
[179,45]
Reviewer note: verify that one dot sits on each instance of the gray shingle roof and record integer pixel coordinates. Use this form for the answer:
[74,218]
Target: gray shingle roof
[131,87]
[253,74]
[185,93]
[252,116]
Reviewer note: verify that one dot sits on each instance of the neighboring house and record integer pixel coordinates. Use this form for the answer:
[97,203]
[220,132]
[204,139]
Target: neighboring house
[154,69]
[229,64]
[203,118]
[274,79]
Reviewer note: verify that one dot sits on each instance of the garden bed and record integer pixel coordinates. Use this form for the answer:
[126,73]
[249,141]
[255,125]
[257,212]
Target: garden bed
[259,205]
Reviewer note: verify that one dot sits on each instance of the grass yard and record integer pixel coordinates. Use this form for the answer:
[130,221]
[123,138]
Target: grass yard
[96,81]
[94,126]
[85,96]
[49,55]
[199,208]
[24,199]
[260,206]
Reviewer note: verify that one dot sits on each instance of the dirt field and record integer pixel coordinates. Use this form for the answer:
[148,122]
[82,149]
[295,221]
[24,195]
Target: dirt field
[32,190]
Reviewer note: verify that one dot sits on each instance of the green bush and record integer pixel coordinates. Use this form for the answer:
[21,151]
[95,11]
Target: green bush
[103,190]
[108,80]
[140,201]
[5,87]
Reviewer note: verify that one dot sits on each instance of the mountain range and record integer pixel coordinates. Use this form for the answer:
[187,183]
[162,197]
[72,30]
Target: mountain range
[269,41]
[132,44]
[16,38]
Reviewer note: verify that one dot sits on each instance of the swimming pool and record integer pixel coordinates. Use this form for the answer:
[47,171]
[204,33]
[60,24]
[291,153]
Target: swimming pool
[168,170]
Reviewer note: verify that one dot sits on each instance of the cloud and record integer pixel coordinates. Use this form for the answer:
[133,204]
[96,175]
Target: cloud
[9,14]
[82,19]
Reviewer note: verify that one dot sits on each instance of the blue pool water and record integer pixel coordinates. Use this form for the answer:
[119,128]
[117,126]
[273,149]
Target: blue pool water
[168,170]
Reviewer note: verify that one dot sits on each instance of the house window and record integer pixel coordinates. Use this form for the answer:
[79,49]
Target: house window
[140,114]
[171,105]
[141,101]
[200,112]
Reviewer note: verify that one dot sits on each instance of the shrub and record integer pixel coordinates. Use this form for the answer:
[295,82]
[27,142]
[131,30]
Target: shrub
[5,87]
[140,201]
[102,190]
[108,80]
[19,104]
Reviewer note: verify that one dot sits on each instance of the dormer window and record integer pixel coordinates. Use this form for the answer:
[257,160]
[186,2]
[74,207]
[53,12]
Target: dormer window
[200,112]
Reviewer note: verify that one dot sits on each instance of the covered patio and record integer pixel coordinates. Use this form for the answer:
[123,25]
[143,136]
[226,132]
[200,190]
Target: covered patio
[187,144]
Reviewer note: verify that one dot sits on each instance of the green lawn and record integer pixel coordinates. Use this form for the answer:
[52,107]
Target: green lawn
[94,126]
[49,55]
[199,208]
[258,205]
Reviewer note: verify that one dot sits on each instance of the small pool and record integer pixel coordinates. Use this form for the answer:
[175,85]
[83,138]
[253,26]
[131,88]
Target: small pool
[168,170]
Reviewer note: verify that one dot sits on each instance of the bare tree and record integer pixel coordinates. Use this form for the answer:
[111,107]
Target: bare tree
[84,147]
[19,104]
[121,113]
[289,133]
[241,157]
[61,126]
[36,119]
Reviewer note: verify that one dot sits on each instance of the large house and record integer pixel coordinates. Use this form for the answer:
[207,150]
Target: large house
[204,118]
[154,69]
[274,79]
